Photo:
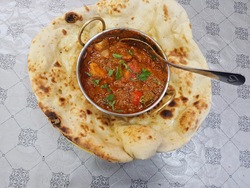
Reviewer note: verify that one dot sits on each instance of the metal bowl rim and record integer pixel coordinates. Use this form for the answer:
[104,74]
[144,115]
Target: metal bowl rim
[90,100]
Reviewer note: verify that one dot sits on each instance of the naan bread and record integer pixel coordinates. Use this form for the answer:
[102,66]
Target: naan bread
[52,70]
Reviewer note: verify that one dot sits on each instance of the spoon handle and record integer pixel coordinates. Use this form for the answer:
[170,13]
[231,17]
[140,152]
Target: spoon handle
[227,77]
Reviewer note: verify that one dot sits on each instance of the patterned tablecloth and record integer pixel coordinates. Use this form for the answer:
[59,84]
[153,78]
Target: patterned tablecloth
[33,154]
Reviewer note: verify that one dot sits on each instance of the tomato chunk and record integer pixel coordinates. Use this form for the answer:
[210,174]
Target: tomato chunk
[136,96]
[134,67]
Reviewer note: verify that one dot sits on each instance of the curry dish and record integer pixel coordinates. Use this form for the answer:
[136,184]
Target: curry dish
[121,77]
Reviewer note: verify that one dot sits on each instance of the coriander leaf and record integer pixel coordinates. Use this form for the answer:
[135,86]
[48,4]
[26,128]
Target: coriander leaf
[95,82]
[110,101]
[118,73]
[105,86]
[125,65]
[110,97]
[118,56]
[144,74]
[110,72]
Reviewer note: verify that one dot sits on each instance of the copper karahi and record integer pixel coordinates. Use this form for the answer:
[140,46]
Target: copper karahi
[120,78]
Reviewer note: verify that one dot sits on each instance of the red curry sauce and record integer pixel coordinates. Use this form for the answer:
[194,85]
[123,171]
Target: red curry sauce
[120,77]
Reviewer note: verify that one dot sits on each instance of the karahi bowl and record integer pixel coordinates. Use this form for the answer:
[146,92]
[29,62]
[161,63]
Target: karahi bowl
[120,33]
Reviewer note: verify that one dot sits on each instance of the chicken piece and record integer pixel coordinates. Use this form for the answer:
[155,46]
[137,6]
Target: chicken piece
[101,45]
[96,70]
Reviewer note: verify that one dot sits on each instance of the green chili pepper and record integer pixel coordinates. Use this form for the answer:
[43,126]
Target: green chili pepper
[95,82]
[118,56]
[118,73]
[110,72]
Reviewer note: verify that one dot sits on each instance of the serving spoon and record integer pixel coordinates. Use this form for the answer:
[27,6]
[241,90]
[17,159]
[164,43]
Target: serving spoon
[227,77]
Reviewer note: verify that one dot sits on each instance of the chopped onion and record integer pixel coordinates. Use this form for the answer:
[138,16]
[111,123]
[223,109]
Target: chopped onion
[105,53]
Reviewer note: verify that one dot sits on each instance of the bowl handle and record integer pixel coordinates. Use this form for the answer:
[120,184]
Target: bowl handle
[86,24]
[170,96]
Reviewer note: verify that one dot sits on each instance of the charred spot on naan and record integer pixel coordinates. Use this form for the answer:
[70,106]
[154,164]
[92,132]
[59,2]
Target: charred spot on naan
[178,56]
[42,86]
[55,120]
[72,17]
[84,131]
[57,73]
[200,105]
[187,121]
[176,102]
[184,99]
[64,32]
[65,130]
[31,67]
[118,7]
[137,133]
[167,114]
[53,117]
[188,79]
[113,7]
[62,101]
[82,114]
[104,121]
[57,64]
[89,112]
[190,118]
[173,103]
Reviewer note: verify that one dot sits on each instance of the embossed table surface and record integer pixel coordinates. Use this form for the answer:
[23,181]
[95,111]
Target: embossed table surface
[34,154]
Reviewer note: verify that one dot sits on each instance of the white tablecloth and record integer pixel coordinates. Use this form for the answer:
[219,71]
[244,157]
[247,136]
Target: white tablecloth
[33,154]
